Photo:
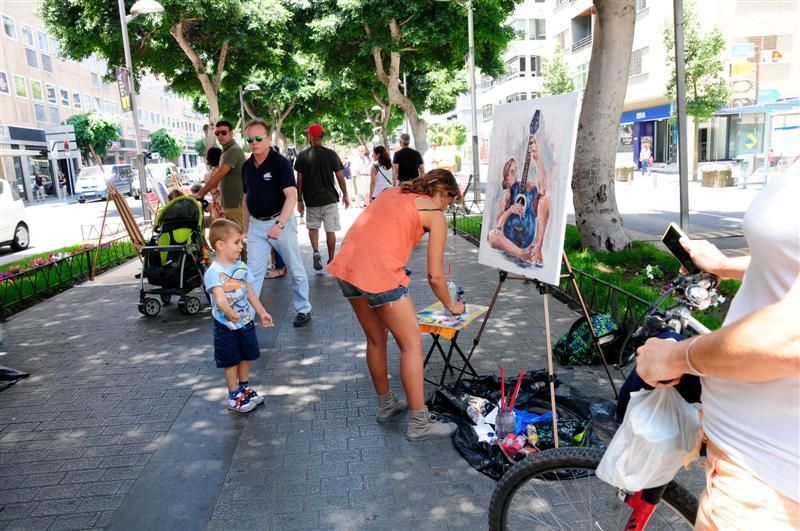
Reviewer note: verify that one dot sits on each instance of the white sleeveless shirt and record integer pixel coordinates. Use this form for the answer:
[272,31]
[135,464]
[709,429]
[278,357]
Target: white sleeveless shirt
[758,424]
[383,180]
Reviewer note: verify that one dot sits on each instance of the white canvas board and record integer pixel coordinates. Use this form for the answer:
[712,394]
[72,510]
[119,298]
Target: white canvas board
[523,233]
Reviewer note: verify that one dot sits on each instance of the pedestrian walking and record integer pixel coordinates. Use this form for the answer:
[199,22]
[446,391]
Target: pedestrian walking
[228,176]
[407,163]
[235,304]
[370,268]
[363,166]
[38,186]
[318,168]
[270,196]
[645,156]
[381,172]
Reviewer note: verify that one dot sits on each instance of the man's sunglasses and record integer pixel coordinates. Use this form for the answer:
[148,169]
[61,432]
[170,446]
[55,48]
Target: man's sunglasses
[252,139]
[221,133]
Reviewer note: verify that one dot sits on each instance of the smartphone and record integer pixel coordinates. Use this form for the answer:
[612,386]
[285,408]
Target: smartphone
[671,239]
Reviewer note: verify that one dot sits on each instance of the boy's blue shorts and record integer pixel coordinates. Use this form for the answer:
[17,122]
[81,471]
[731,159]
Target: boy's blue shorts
[233,346]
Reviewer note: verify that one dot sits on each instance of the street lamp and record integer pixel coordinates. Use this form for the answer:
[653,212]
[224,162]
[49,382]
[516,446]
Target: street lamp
[142,7]
[476,171]
[250,87]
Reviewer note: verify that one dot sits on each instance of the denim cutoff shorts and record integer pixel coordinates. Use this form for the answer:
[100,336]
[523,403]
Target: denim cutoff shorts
[373,299]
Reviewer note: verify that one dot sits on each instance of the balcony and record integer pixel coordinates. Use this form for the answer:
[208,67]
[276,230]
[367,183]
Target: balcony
[577,45]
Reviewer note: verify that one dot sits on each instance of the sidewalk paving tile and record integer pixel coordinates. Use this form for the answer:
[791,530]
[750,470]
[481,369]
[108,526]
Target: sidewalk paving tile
[122,423]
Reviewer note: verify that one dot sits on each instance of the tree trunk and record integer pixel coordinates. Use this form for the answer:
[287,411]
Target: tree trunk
[391,80]
[596,214]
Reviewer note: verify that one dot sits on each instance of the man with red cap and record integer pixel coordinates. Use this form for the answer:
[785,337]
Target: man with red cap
[318,198]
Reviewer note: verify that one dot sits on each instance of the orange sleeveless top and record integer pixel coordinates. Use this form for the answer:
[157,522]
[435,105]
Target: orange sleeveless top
[378,245]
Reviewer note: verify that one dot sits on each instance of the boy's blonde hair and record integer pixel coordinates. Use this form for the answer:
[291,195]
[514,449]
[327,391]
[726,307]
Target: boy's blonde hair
[221,230]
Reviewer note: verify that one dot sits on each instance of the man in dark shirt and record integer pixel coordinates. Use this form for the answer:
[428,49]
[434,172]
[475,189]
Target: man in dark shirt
[407,163]
[316,168]
[228,176]
[270,196]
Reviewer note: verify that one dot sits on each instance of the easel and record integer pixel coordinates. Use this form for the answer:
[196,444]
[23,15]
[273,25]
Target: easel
[128,220]
[545,290]
[474,203]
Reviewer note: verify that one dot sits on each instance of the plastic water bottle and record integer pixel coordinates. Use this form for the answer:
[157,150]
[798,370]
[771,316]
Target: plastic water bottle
[452,291]
[460,295]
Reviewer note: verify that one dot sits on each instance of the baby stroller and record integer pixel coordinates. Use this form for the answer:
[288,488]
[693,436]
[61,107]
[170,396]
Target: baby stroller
[173,260]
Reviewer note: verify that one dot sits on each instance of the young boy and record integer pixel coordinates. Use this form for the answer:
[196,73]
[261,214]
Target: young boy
[234,303]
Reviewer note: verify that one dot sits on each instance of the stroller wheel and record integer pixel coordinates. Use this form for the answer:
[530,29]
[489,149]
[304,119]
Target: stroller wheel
[151,307]
[190,306]
[165,298]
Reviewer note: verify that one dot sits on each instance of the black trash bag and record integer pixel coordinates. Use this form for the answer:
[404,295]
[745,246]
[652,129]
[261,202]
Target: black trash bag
[593,418]
[9,376]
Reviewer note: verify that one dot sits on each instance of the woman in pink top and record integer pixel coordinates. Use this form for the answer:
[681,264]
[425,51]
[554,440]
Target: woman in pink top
[370,267]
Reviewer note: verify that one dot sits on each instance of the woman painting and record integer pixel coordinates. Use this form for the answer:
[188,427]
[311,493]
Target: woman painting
[371,270]
[381,173]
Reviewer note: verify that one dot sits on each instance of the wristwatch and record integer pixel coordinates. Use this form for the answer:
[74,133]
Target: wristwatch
[280,224]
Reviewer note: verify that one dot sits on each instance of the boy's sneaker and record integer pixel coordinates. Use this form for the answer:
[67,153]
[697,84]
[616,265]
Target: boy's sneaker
[252,396]
[241,403]
[317,261]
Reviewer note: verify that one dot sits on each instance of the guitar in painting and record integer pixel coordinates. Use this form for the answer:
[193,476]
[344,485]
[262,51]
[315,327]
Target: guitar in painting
[522,229]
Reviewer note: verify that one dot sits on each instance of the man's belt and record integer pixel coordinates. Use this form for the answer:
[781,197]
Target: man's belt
[268,218]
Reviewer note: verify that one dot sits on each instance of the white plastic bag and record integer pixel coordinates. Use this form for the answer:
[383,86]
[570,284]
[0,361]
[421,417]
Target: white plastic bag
[659,429]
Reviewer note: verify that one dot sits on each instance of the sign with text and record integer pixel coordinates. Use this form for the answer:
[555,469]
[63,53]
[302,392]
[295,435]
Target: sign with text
[124,84]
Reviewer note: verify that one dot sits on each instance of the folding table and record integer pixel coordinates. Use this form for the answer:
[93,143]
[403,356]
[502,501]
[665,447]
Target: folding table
[436,321]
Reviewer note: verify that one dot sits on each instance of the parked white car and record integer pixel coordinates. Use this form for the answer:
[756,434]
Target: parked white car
[13,227]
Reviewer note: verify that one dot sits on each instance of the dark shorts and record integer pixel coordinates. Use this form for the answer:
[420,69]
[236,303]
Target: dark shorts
[373,299]
[233,346]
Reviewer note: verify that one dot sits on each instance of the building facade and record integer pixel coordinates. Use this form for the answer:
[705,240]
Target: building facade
[40,88]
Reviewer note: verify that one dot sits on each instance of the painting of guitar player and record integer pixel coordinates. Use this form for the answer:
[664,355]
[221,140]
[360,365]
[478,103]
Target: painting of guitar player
[530,169]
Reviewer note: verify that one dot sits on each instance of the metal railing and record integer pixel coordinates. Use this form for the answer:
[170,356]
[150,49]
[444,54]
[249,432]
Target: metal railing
[581,43]
[23,289]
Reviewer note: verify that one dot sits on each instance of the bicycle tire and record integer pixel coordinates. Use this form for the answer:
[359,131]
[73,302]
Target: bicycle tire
[677,509]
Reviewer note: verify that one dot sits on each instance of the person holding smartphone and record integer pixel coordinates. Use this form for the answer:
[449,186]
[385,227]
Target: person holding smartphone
[749,369]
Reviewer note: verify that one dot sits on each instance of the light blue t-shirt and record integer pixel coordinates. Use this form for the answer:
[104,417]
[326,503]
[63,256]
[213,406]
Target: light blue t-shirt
[233,280]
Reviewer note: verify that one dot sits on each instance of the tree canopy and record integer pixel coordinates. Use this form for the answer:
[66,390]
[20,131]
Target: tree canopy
[95,129]
[706,89]
[557,77]
[166,144]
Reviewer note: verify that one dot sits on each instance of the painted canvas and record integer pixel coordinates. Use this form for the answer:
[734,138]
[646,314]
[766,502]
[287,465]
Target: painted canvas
[528,186]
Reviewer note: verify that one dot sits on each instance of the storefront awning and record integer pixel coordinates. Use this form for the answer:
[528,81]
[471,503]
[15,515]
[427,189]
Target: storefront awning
[645,115]
[778,106]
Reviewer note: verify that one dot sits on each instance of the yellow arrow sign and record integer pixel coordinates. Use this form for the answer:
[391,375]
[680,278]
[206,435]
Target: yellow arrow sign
[752,140]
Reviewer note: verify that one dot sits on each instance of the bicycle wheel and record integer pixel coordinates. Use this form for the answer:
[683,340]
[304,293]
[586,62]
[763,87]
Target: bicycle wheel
[557,489]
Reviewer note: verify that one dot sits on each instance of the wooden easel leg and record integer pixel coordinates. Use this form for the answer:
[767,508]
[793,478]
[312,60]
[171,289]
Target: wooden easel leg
[588,317]
[551,377]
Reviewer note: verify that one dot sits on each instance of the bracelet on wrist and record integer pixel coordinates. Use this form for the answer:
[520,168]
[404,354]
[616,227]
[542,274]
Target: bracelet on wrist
[688,359]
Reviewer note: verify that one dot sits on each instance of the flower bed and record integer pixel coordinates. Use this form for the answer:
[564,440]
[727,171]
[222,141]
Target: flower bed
[24,283]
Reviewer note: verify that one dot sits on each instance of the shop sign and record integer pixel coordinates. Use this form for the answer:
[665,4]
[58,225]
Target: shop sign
[771,56]
[743,50]
[742,69]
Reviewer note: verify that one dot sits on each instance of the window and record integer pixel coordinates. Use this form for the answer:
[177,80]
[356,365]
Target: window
[640,5]
[519,28]
[581,75]
[537,29]
[76,99]
[9,27]
[5,87]
[47,63]
[561,40]
[97,105]
[30,58]
[87,102]
[488,110]
[52,97]
[54,47]
[536,64]
[95,80]
[107,106]
[36,91]
[55,115]
[20,87]
[27,35]
[40,112]
[64,97]
[637,58]
[516,67]
[42,41]
[115,108]
[517,96]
